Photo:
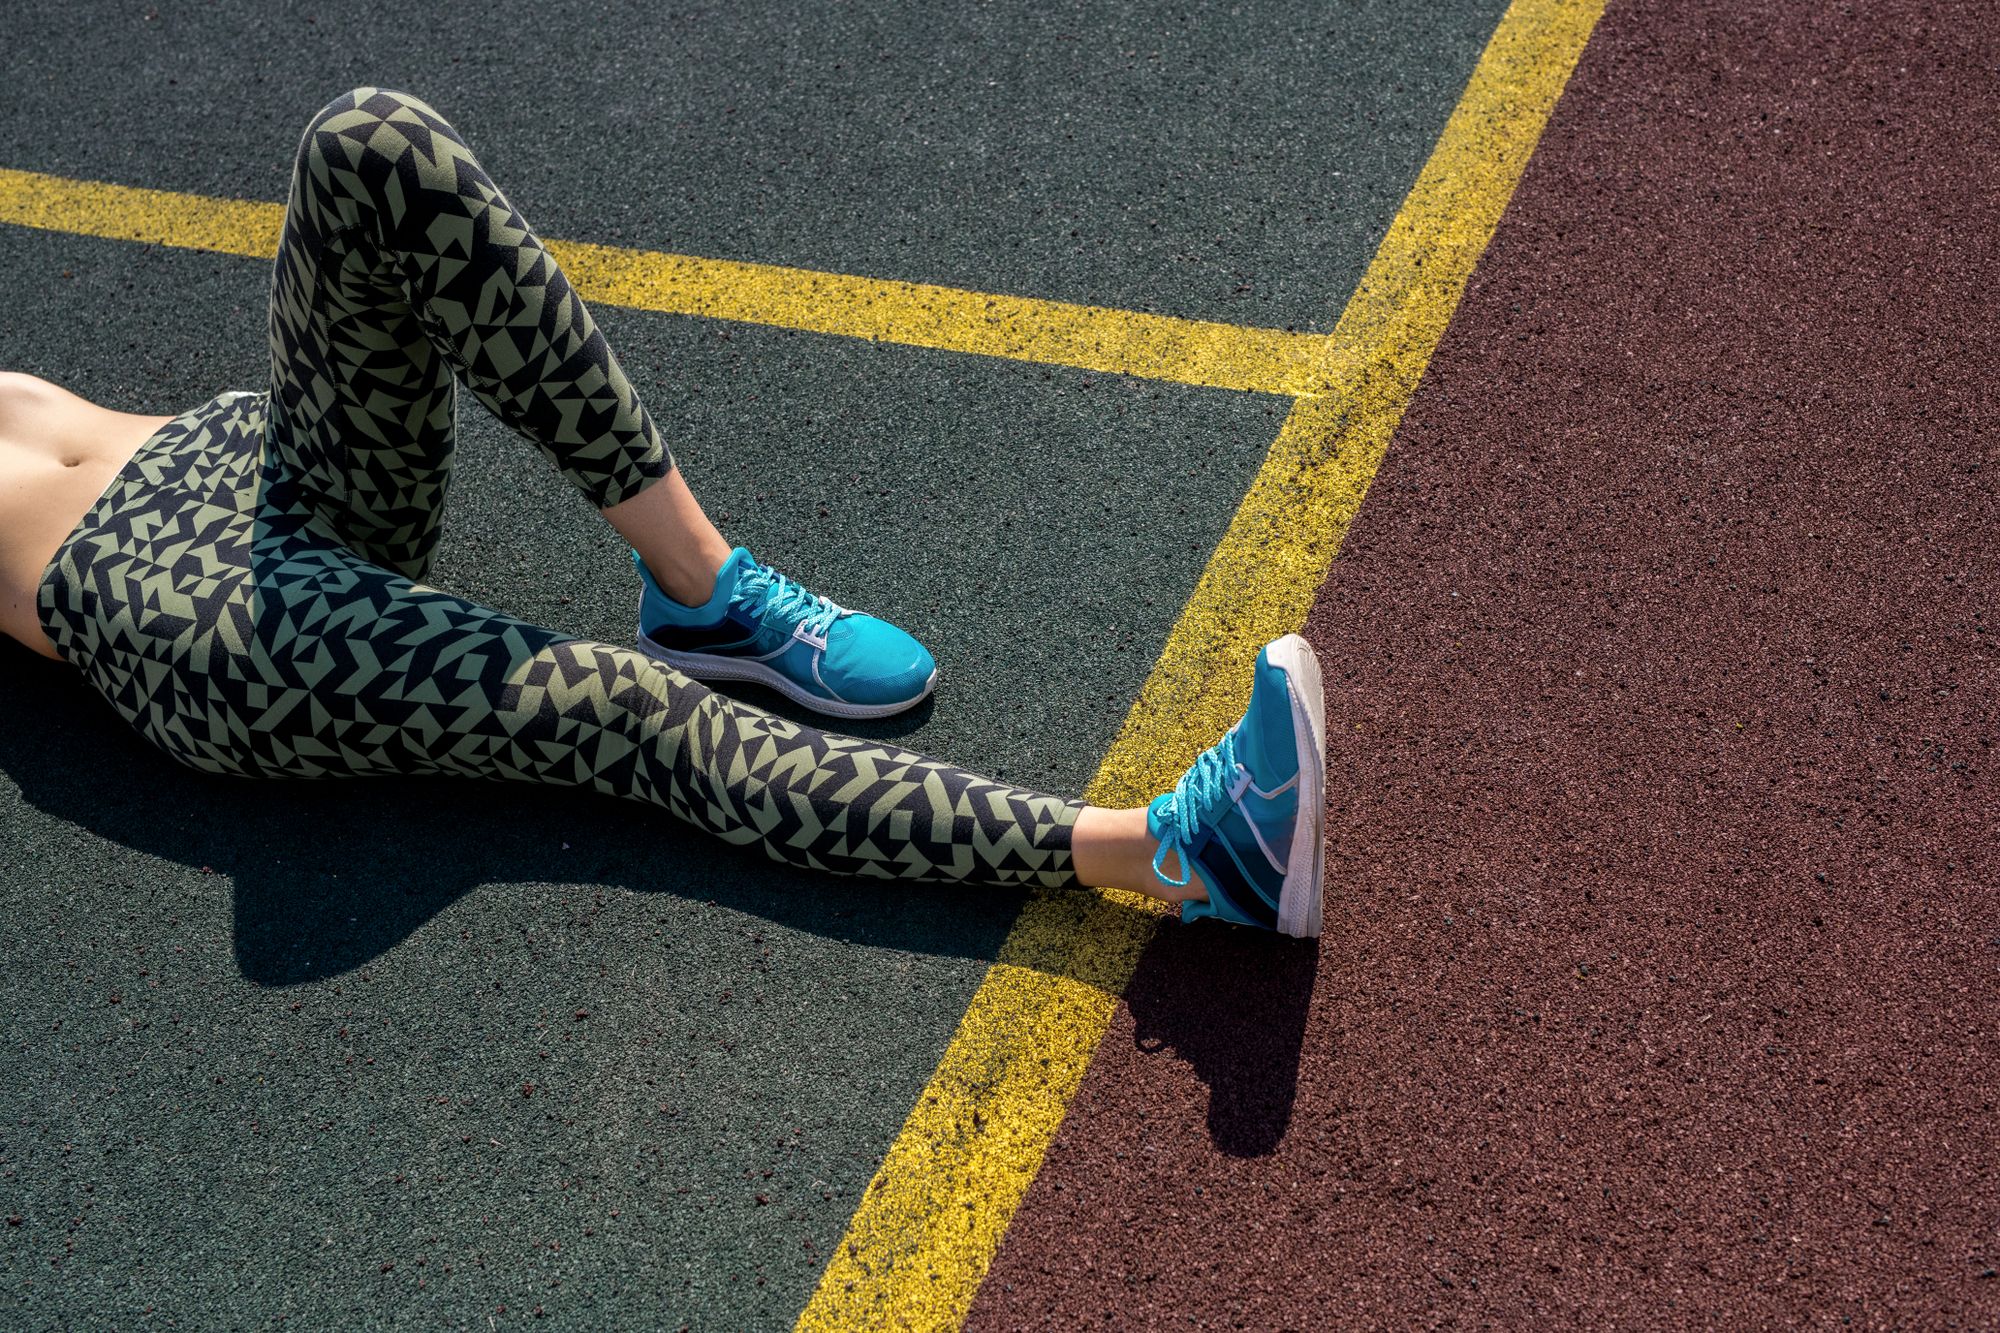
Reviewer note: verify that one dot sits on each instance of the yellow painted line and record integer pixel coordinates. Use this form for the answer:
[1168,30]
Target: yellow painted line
[933,1217]
[1123,342]
[127,213]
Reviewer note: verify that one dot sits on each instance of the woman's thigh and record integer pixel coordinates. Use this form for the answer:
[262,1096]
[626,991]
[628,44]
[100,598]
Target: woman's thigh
[205,597]
[335,667]
[364,406]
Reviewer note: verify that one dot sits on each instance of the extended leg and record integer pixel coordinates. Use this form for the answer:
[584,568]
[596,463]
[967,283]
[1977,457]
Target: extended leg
[425,682]
[201,600]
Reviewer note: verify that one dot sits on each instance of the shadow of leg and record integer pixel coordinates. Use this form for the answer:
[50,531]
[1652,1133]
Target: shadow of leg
[328,875]
[1232,1003]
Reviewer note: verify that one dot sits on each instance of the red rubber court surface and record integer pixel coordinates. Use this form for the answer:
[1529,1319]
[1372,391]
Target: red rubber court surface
[1661,973]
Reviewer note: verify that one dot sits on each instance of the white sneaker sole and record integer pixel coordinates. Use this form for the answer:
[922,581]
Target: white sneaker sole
[1300,901]
[707,666]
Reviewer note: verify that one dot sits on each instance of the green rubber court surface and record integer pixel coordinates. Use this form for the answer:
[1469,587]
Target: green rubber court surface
[1604,391]
[416,1052]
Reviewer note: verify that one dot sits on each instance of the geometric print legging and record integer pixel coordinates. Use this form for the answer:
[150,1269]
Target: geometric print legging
[246,592]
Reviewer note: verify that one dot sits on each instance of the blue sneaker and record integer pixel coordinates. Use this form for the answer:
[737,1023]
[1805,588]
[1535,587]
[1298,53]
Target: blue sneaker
[1249,817]
[758,625]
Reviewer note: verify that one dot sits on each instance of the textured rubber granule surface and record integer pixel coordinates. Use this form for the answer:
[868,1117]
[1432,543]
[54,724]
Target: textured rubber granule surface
[1662,963]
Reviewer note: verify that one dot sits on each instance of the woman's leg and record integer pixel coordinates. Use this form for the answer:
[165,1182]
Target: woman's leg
[356,670]
[402,269]
[202,599]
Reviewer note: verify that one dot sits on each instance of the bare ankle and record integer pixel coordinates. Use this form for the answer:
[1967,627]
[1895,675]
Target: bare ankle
[666,526]
[1112,850]
[688,577]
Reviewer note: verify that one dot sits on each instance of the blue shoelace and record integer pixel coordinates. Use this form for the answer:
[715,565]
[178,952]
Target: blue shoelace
[1203,787]
[764,591]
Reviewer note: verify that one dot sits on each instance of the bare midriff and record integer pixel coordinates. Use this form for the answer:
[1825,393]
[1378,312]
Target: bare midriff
[58,452]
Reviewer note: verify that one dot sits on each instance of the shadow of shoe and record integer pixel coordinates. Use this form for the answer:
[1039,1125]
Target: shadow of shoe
[1232,1002]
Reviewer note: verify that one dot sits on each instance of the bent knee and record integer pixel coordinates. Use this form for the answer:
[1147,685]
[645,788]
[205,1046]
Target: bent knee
[385,119]
[369,104]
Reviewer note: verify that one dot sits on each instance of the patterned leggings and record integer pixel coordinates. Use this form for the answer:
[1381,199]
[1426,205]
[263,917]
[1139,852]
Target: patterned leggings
[245,592]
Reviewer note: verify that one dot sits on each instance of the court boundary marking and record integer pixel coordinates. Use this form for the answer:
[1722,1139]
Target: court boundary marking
[937,1210]
[1203,353]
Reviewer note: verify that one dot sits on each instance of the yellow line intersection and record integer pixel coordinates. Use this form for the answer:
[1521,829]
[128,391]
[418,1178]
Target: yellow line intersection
[932,1219]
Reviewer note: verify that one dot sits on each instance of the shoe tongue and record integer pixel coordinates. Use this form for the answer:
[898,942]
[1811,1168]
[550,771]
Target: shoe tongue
[1264,740]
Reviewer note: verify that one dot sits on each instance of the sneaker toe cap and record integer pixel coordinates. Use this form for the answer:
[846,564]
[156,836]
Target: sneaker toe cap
[870,661]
